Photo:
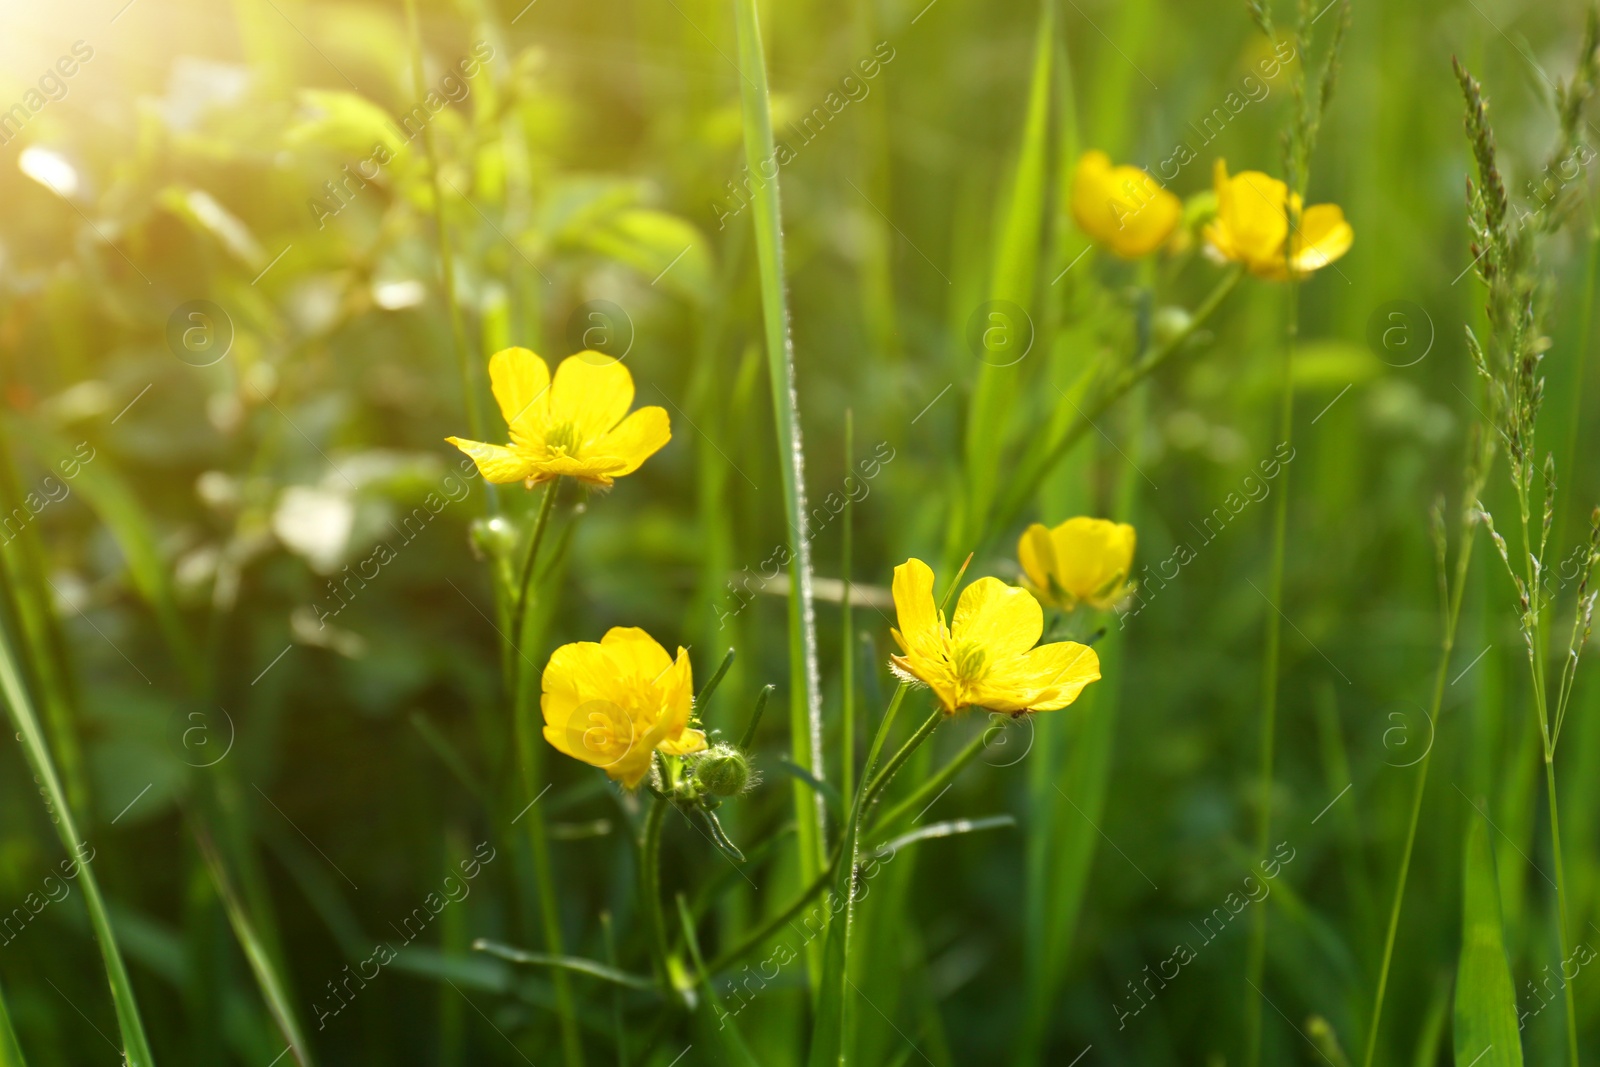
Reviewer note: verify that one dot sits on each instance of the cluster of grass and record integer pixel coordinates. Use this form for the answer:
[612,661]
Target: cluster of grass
[272,651]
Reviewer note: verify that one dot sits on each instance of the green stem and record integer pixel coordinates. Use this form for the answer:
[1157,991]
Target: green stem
[1534,629]
[650,887]
[1447,646]
[136,1047]
[1561,903]
[881,781]
[873,787]
[1269,686]
[526,738]
[936,784]
[525,579]
[1028,482]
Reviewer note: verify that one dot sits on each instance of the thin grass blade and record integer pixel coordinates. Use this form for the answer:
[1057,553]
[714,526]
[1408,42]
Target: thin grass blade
[136,1046]
[804,683]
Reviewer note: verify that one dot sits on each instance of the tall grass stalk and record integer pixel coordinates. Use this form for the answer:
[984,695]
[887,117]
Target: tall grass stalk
[135,1045]
[1510,362]
[1256,958]
[1453,590]
[805,700]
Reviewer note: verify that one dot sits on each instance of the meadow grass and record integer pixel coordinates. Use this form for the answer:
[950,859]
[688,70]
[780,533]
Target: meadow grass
[336,743]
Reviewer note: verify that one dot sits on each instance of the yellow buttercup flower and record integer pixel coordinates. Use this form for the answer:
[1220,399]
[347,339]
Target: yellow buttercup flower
[986,657]
[616,702]
[1122,208]
[570,425]
[1083,560]
[1252,227]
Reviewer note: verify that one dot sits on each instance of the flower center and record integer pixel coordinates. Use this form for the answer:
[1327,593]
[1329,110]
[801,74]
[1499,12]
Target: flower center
[970,661]
[562,440]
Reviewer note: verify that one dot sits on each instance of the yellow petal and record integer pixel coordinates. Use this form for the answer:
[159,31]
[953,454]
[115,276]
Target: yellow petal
[635,654]
[676,687]
[520,381]
[592,392]
[1324,236]
[920,626]
[637,438]
[1123,208]
[1037,555]
[497,463]
[1151,219]
[933,672]
[1093,556]
[689,742]
[1055,674]
[1002,619]
[585,709]
[1255,214]
[1091,202]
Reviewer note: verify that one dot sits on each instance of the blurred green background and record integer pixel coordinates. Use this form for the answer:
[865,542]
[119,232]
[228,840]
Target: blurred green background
[348,756]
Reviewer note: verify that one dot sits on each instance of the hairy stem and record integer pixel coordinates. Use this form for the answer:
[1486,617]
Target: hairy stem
[650,887]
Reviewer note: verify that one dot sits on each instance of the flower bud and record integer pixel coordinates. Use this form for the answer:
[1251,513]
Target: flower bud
[1169,323]
[724,771]
[494,538]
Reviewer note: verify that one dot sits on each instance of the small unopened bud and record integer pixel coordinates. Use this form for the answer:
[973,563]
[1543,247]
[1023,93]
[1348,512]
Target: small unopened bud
[494,538]
[1170,323]
[724,771]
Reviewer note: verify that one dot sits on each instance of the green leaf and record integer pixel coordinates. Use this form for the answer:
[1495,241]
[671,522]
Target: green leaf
[344,123]
[1486,1033]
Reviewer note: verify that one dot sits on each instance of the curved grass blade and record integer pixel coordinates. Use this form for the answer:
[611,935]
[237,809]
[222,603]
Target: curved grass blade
[732,1040]
[804,686]
[948,828]
[1013,279]
[10,1051]
[273,988]
[568,963]
[136,1046]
